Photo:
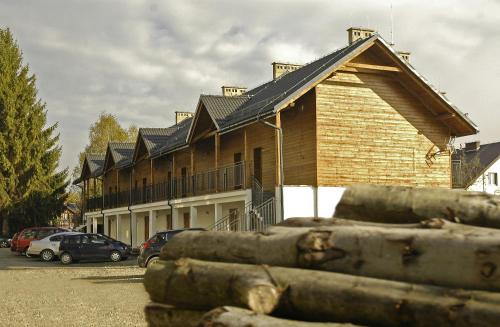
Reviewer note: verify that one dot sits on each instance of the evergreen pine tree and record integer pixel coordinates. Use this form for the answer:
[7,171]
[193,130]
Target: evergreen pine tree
[31,190]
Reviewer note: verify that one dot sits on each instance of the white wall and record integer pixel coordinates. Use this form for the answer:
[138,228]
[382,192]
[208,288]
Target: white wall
[481,183]
[240,205]
[112,231]
[161,220]
[124,232]
[308,201]
[205,216]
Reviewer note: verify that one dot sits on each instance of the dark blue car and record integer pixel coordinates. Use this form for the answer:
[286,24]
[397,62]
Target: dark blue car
[92,247]
[150,250]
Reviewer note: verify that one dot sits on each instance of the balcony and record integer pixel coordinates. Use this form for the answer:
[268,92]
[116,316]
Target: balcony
[224,179]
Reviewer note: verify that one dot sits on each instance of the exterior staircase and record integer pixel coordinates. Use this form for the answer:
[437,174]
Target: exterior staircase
[251,219]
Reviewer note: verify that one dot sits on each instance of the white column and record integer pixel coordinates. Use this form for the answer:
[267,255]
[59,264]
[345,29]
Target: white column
[106,225]
[133,228]
[89,224]
[118,231]
[152,222]
[175,218]
[193,216]
[217,212]
[94,225]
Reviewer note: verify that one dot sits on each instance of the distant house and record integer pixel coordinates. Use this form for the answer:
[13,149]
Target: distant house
[67,219]
[477,167]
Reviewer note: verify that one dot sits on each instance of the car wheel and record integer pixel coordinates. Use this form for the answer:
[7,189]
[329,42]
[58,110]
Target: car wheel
[66,258]
[115,256]
[47,255]
[4,244]
[152,261]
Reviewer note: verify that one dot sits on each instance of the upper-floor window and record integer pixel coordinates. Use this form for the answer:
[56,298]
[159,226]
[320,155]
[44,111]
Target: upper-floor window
[492,178]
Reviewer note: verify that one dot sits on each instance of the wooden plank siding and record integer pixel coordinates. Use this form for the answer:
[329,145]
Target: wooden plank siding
[299,141]
[142,169]
[371,130]
[261,136]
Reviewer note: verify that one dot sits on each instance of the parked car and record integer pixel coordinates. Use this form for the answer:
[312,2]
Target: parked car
[5,241]
[149,251]
[22,242]
[12,241]
[92,247]
[47,248]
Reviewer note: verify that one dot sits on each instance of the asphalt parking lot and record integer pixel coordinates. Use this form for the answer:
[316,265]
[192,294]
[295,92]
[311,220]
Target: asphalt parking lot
[35,293]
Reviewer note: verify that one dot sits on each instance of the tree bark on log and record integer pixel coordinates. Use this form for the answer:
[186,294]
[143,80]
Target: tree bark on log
[457,256]
[160,315]
[324,296]
[322,222]
[238,317]
[399,204]
[256,291]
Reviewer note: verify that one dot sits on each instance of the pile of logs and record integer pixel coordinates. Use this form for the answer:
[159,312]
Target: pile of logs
[397,257]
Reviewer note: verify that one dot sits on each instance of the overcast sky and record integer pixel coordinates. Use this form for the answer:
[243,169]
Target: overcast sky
[143,60]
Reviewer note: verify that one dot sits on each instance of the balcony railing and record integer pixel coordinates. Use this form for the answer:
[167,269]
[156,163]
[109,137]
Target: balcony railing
[227,178]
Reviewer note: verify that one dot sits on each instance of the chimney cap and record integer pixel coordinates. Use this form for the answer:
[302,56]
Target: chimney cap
[360,29]
[472,146]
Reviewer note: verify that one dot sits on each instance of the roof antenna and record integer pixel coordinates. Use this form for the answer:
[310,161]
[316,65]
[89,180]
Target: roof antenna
[392,28]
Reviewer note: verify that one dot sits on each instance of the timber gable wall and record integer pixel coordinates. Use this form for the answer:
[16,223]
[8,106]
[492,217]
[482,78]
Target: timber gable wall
[371,130]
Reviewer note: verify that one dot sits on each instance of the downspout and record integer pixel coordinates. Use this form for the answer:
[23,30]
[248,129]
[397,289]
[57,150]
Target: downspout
[102,207]
[129,202]
[169,196]
[282,180]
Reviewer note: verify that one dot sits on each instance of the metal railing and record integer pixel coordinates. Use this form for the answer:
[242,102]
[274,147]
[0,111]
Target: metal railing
[251,219]
[235,221]
[93,203]
[257,192]
[226,178]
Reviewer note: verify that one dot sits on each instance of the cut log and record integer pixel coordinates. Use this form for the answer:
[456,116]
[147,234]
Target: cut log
[256,291]
[434,223]
[321,222]
[399,204]
[324,296]
[457,256]
[238,317]
[160,315]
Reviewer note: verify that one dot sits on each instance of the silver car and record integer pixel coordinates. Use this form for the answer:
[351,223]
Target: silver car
[47,248]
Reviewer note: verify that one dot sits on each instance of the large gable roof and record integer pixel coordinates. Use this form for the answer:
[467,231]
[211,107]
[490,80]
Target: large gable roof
[266,99]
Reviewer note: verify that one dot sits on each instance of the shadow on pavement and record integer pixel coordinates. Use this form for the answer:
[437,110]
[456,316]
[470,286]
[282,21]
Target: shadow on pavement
[13,261]
[113,279]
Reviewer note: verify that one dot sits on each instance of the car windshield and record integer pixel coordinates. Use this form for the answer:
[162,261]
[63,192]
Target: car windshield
[43,233]
[56,238]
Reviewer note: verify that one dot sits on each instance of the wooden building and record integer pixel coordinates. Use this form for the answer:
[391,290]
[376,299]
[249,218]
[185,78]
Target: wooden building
[361,114]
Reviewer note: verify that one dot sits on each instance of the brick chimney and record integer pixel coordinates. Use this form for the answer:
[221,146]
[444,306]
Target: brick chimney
[281,68]
[356,33]
[233,90]
[472,146]
[181,115]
